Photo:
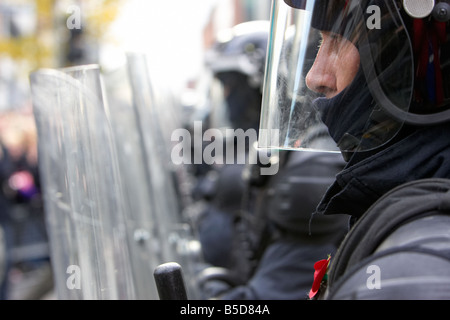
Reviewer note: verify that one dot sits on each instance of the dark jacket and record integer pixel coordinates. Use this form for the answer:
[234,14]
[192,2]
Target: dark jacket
[285,270]
[422,153]
[416,155]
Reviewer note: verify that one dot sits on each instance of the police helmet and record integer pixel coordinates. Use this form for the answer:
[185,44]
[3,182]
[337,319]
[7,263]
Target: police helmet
[379,64]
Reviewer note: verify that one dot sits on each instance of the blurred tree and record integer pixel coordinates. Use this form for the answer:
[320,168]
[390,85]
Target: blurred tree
[34,47]
[46,45]
[100,14]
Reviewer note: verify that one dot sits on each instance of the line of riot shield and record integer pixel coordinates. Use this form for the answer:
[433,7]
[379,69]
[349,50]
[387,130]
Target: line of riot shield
[82,190]
[141,220]
[156,122]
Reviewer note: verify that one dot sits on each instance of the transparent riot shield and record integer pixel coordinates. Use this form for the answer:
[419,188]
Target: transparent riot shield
[176,235]
[168,108]
[141,220]
[83,195]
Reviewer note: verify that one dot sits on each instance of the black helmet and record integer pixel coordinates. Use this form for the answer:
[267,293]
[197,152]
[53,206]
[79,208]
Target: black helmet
[241,49]
[401,69]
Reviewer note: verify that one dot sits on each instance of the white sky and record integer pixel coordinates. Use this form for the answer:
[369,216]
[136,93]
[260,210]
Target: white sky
[169,31]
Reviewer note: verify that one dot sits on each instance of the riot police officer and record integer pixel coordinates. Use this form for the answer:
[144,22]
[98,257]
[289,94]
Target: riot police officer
[236,63]
[260,227]
[380,82]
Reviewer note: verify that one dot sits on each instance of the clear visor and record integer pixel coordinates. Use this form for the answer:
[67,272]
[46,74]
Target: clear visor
[330,68]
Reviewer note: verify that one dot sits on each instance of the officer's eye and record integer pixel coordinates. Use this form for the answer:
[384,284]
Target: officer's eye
[332,41]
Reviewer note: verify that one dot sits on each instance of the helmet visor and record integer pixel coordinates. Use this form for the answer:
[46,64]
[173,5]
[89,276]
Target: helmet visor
[330,70]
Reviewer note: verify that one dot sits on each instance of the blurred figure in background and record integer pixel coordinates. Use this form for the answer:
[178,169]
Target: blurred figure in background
[259,229]
[21,216]
[236,62]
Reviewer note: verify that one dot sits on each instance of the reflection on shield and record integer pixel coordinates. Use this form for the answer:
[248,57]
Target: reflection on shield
[83,195]
[157,118]
[114,201]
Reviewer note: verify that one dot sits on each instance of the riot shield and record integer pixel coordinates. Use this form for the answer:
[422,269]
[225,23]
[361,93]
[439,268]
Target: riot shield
[83,194]
[177,239]
[140,217]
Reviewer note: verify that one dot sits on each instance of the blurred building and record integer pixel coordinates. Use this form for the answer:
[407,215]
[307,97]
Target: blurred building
[47,33]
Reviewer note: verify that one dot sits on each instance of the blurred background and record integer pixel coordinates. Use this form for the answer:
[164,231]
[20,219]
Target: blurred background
[60,33]
[37,34]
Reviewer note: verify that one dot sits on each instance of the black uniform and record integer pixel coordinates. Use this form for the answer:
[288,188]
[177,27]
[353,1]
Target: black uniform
[364,181]
[297,239]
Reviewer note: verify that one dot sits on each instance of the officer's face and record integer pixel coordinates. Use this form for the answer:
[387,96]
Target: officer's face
[335,66]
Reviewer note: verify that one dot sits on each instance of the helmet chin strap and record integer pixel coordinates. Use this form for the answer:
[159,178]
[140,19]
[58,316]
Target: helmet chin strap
[381,98]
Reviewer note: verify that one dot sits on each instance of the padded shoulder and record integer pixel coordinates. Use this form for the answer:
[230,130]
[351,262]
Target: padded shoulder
[399,249]
[413,262]
[432,232]
[408,274]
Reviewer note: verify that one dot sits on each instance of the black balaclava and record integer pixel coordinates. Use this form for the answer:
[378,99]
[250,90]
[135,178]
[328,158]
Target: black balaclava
[341,113]
[355,121]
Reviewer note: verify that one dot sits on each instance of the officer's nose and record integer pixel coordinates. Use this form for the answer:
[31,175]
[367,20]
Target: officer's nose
[321,77]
